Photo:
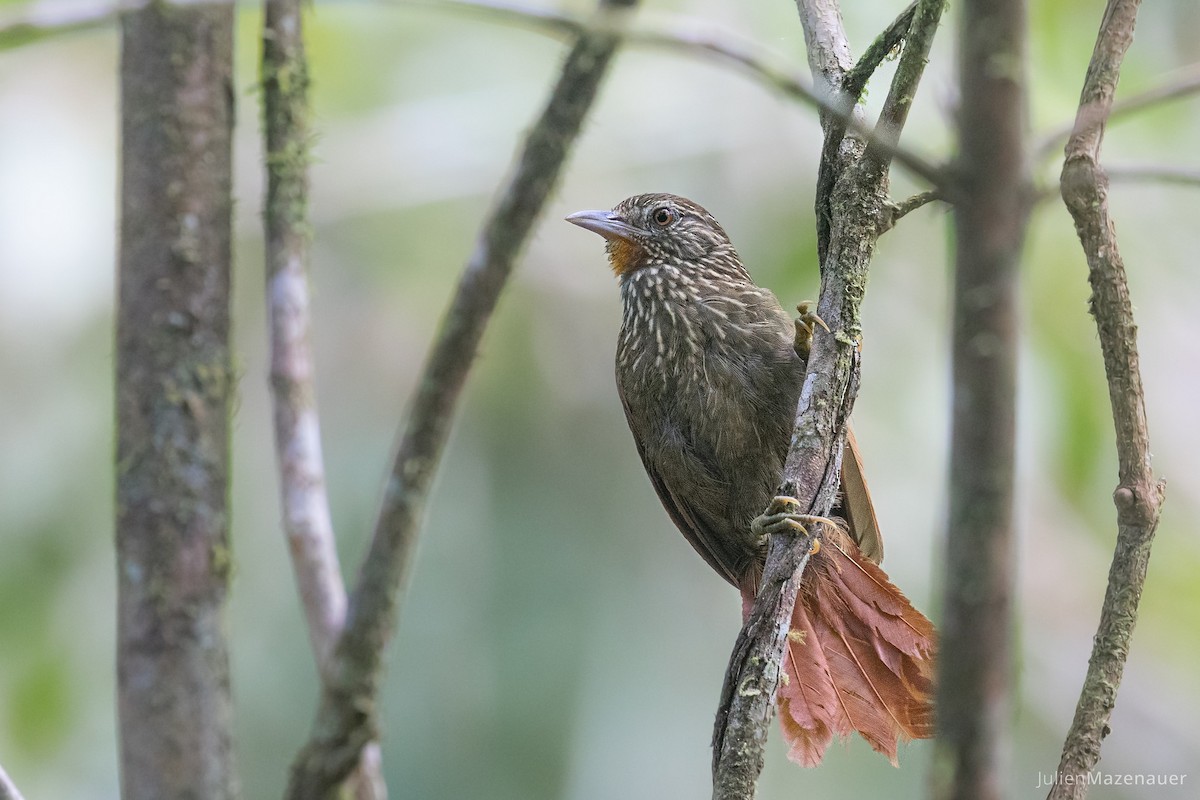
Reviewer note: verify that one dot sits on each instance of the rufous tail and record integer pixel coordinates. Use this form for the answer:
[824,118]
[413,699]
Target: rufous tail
[859,658]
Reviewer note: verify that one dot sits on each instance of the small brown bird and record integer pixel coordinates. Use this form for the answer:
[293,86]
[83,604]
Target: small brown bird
[709,370]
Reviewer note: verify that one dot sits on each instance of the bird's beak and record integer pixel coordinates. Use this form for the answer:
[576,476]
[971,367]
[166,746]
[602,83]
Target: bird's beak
[605,223]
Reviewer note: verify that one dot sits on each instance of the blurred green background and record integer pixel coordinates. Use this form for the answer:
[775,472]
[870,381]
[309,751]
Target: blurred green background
[560,639]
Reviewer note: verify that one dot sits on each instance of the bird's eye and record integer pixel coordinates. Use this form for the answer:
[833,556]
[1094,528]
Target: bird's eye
[663,216]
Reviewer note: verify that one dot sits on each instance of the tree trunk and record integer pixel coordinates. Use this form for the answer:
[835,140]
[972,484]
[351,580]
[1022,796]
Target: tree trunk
[991,209]
[174,384]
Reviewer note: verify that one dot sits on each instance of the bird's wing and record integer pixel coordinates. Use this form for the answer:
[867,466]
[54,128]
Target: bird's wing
[699,535]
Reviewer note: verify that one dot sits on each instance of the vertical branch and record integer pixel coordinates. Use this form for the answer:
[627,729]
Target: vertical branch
[174,385]
[855,199]
[346,719]
[306,518]
[305,503]
[830,61]
[1139,495]
[991,210]
[926,15]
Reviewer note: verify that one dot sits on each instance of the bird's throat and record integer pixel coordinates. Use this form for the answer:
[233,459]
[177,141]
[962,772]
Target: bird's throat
[623,255]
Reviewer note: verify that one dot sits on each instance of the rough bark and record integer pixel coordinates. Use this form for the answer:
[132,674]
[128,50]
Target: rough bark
[1139,495]
[854,198]
[990,214]
[174,385]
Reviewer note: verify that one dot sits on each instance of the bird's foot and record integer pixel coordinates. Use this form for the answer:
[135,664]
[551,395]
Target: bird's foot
[783,516]
[806,325]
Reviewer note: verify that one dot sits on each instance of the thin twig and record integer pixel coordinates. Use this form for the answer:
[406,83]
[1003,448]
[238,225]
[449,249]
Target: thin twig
[1185,84]
[991,212]
[1134,173]
[885,44]
[897,211]
[1139,495]
[43,20]
[769,69]
[758,62]
[926,17]
[1153,173]
[8,789]
[847,101]
[305,502]
[347,717]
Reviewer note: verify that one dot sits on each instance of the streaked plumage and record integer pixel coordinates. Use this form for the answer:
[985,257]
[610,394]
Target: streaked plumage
[709,376]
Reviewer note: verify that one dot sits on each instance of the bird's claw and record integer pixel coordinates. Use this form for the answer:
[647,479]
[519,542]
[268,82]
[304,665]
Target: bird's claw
[783,516]
[806,325]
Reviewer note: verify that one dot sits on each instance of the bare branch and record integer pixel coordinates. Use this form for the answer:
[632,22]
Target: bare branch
[1139,495]
[347,716]
[758,63]
[909,205]
[768,68]
[1153,173]
[43,20]
[1134,173]
[8,789]
[306,516]
[29,25]
[991,214]
[1183,85]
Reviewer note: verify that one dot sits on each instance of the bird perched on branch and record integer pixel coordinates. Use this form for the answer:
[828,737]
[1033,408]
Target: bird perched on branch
[709,370]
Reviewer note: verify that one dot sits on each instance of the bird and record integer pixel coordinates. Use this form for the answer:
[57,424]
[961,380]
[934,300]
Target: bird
[709,369]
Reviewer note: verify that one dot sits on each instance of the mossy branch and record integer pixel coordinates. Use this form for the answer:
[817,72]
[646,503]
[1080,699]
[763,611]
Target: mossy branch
[304,500]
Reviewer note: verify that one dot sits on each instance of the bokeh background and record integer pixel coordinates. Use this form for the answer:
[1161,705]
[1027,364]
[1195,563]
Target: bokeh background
[560,640]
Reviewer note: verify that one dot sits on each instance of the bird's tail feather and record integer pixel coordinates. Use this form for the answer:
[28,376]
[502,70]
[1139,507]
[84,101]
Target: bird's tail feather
[859,658]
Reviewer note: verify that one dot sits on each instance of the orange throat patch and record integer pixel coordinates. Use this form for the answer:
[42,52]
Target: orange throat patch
[623,255]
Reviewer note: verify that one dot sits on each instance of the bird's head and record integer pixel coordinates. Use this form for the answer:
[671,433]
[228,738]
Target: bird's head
[657,229]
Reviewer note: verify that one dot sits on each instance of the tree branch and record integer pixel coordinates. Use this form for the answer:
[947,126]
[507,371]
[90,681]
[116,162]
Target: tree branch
[1139,495]
[885,44]
[909,205]
[29,25]
[346,719]
[846,101]
[1154,173]
[858,214]
[917,43]
[758,64]
[8,789]
[1185,84]
[174,384]
[1135,173]
[306,516]
[305,504]
[991,213]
